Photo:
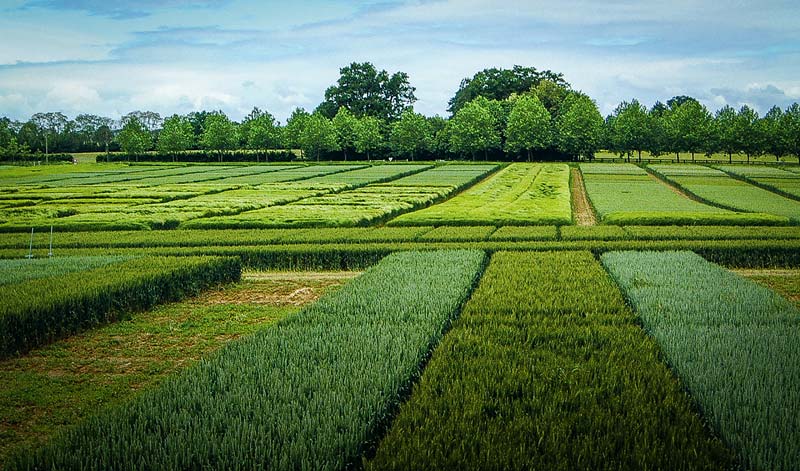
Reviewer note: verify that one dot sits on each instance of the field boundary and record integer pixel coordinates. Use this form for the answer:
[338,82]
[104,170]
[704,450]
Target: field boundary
[582,210]
[763,186]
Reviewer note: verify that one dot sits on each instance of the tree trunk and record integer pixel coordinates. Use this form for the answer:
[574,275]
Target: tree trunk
[529,155]
[678,156]
[692,156]
[730,158]
[640,155]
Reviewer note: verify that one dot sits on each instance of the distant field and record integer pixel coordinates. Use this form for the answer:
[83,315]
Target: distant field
[520,194]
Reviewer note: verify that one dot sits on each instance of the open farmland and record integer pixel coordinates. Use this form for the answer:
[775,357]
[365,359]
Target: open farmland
[625,194]
[547,369]
[545,347]
[716,187]
[732,342]
[520,194]
[771,178]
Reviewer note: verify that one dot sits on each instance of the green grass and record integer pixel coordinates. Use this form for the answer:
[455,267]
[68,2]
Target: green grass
[520,194]
[592,233]
[732,342]
[309,392]
[627,195]
[42,309]
[547,369]
[63,383]
[711,232]
[718,188]
[784,282]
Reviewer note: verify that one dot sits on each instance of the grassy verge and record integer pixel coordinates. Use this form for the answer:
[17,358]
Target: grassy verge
[58,385]
[732,342]
[547,369]
[307,393]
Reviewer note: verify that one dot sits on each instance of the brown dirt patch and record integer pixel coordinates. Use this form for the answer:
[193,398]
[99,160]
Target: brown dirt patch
[581,208]
[765,272]
[279,288]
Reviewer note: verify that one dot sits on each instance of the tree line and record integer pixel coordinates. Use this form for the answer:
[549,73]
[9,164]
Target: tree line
[498,114]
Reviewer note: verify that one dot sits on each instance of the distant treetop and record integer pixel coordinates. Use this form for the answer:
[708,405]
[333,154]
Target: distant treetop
[499,84]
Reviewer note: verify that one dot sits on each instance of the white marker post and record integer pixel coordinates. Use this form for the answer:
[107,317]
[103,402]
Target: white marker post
[50,254]
[30,251]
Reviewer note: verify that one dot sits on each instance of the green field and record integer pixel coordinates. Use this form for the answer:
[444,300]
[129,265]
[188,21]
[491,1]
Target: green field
[520,194]
[625,194]
[487,331]
[718,188]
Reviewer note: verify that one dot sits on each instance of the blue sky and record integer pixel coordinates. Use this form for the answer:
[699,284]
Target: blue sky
[176,56]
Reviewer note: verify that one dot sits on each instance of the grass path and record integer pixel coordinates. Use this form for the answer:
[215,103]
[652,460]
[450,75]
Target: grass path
[581,208]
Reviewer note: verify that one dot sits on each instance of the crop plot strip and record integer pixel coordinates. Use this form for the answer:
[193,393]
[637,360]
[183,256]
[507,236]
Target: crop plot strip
[783,182]
[520,194]
[309,392]
[714,186]
[732,342]
[547,369]
[40,308]
[625,194]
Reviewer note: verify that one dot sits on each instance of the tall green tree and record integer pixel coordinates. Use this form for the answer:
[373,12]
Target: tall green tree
[411,134]
[725,131]
[219,134]
[294,129]
[50,126]
[262,134]
[368,135]
[551,94]
[774,139]
[529,126]
[749,132]
[790,127]
[631,130]
[579,126]
[499,84]
[689,127]
[134,138]
[176,135]
[344,124]
[366,91]
[318,136]
[473,130]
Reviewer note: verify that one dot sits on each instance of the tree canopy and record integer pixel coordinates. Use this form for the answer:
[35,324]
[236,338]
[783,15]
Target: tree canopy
[528,126]
[366,91]
[499,84]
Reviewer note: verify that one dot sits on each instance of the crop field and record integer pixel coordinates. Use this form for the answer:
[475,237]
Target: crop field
[547,369]
[520,194]
[399,315]
[771,178]
[732,342]
[625,194]
[371,336]
[718,188]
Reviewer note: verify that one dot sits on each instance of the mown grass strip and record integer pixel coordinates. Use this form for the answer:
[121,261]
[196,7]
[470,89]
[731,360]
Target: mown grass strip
[547,369]
[733,343]
[37,311]
[308,393]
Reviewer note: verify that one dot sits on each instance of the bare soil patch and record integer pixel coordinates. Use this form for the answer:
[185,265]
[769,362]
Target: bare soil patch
[581,208]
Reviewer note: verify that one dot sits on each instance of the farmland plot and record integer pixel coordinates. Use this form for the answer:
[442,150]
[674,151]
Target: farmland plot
[547,369]
[718,188]
[625,194]
[732,342]
[308,392]
[771,178]
[39,309]
[520,194]
[361,206]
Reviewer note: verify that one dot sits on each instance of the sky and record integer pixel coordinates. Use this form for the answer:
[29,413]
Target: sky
[176,56]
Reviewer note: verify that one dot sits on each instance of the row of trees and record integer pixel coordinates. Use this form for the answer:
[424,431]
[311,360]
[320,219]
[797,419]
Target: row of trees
[685,125]
[497,113]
